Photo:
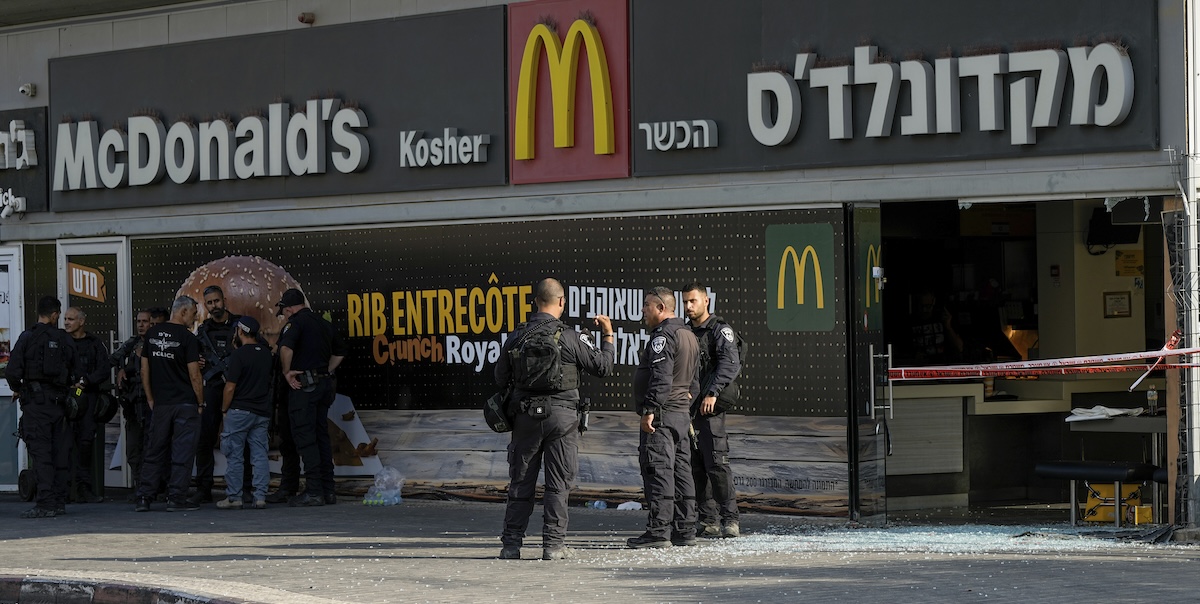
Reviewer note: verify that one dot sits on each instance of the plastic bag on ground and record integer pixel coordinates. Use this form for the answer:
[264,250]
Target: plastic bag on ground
[630,505]
[386,490]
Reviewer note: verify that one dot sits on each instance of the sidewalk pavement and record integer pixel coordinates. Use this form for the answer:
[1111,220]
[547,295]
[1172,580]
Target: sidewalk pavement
[445,551]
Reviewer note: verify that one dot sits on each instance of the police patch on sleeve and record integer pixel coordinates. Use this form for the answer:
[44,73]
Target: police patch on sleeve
[657,344]
[286,327]
[587,340]
[728,333]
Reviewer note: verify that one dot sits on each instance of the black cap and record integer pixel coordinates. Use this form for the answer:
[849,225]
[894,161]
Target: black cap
[248,325]
[291,297]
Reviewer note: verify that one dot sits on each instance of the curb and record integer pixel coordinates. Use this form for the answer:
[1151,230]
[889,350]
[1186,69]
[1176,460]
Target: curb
[74,591]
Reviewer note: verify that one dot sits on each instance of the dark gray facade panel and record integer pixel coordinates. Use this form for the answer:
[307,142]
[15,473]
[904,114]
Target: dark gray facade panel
[31,182]
[422,73]
[691,59]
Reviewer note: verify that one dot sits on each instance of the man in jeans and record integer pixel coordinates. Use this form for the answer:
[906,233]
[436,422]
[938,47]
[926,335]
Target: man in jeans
[247,406]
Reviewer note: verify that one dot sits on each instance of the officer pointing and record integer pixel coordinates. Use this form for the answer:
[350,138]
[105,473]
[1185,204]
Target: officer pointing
[546,427]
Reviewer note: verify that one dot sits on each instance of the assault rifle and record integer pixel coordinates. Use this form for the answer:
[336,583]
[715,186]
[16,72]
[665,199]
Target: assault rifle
[214,363]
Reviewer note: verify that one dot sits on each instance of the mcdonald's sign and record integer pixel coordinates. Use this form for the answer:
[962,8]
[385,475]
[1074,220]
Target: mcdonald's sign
[869,254]
[800,277]
[568,90]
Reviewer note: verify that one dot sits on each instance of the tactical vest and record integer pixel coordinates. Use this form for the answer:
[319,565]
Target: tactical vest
[46,360]
[536,360]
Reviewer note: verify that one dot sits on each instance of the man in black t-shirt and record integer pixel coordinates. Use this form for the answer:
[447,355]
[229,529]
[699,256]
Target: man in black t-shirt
[246,402]
[309,352]
[173,385]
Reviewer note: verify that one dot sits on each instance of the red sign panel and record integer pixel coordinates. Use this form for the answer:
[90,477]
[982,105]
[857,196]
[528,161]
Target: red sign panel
[568,70]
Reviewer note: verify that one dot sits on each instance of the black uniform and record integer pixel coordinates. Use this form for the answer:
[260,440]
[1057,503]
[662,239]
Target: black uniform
[128,358]
[289,471]
[216,344]
[715,495]
[175,419]
[91,366]
[39,371]
[313,341]
[553,440]
[665,384]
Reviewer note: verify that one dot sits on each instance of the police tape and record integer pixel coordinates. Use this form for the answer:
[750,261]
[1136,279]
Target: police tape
[949,373]
[1123,357]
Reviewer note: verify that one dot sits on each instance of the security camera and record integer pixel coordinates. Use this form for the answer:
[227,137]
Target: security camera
[28,89]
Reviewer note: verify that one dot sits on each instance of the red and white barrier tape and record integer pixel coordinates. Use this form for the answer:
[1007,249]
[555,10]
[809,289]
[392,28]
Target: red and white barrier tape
[949,373]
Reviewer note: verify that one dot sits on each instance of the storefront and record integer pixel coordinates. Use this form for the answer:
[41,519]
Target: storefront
[415,174]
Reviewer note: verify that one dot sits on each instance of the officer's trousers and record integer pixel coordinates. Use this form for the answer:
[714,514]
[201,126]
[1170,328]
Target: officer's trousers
[308,412]
[44,429]
[173,433]
[83,440]
[716,498]
[665,461]
[289,472]
[551,444]
[137,429]
[210,432]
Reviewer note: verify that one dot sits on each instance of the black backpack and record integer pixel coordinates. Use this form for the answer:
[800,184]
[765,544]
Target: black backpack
[536,360]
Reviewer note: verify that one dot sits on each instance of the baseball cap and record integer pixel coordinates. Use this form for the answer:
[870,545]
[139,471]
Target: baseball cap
[290,297]
[248,325]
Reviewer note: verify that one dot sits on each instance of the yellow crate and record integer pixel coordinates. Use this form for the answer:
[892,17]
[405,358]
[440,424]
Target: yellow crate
[1099,507]
[1139,514]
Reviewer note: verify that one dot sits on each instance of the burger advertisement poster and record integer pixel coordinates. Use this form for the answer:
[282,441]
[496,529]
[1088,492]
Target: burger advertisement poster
[425,310]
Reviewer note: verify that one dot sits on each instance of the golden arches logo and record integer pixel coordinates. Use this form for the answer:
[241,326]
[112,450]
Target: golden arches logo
[872,261]
[800,261]
[563,60]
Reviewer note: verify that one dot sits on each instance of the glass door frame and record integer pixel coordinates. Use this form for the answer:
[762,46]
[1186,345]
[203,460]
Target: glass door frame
[104,245]
[11,255]
[119,246]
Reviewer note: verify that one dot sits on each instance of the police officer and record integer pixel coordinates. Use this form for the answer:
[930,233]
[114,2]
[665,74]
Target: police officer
[246,403]
[664,387]
[309,352]
[552,442]
[92,368]
[174,392]
[720,365]
[39,371]
[216,335]
[127,358]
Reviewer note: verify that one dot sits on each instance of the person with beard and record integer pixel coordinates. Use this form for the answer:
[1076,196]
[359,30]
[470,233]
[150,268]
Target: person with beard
[716,498]
[92,369]
[216,336]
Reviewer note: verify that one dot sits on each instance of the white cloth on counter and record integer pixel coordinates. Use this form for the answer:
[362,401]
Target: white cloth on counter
[1101,412]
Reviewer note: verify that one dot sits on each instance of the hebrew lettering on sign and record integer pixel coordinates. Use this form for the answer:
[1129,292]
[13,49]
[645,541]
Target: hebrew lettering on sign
[682,134]
[1034,100]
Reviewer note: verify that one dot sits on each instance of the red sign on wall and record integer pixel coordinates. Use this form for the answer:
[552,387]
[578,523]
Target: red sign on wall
[568,73]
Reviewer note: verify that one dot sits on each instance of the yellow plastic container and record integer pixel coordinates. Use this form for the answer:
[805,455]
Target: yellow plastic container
[1099,507]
